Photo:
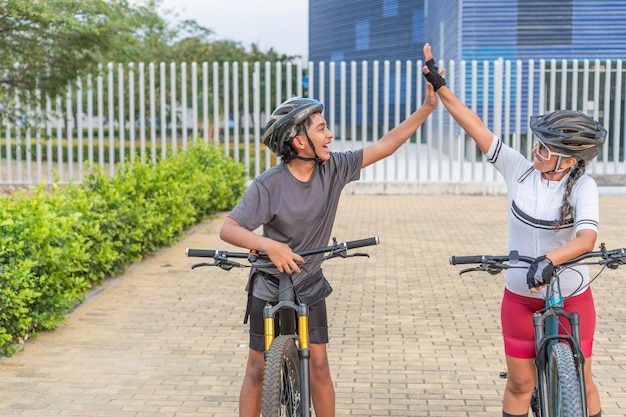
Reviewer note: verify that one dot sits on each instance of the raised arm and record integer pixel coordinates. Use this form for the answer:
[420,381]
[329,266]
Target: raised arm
[393,139]
[466,118]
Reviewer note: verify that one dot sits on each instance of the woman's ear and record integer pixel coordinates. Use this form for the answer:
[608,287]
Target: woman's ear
[568,163]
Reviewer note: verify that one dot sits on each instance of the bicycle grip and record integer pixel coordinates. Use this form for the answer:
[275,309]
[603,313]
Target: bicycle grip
[370,241]
[459,260]
[200,253]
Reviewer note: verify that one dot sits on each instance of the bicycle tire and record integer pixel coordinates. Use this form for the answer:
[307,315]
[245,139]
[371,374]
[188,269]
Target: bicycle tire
[564,395]
[535,406]
[281,382]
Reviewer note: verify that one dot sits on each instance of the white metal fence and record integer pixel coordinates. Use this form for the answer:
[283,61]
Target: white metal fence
[143,111]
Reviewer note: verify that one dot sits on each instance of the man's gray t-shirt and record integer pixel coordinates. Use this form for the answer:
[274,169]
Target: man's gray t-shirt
[299,214]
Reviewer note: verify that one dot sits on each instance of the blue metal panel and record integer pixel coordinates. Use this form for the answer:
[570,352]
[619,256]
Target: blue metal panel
[487,24]
[468,30]
[392,25]
[544,28]
[441,28]
[600,29]
[372,30]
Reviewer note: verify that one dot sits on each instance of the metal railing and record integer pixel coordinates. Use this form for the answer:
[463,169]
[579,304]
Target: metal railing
[144,111]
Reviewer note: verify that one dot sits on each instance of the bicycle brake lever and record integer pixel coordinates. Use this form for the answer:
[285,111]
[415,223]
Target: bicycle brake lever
[345,254]
[356,254]
[483,268]
[477,268]
[226,265]
[194,266]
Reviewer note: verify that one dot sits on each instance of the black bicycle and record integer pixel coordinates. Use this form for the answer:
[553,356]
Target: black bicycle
[560,389]
[286,382]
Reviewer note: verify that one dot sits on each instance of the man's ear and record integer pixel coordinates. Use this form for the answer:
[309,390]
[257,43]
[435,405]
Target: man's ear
[298,142]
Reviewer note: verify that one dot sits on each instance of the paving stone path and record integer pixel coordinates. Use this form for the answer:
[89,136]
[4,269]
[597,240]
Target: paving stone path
[409,337]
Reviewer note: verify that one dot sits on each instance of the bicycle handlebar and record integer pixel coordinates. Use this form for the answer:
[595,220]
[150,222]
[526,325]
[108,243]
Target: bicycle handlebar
[610,258]
[207,253]
[334,249]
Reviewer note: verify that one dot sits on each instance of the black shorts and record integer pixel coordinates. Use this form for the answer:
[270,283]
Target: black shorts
[318,323]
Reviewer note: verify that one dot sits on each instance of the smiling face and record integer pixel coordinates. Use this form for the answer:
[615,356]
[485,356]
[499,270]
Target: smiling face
[546,160]
[319,134]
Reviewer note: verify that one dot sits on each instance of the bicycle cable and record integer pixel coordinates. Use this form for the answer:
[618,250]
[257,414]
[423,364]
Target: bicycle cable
[580,288]
[304,277]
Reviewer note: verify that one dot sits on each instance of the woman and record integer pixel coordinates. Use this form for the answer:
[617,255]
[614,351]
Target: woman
[553,217]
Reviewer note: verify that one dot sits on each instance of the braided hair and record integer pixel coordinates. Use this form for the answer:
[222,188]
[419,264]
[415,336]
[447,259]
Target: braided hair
[567,210]
[575,134]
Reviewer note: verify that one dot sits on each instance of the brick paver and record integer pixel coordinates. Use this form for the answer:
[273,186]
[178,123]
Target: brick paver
[409,337]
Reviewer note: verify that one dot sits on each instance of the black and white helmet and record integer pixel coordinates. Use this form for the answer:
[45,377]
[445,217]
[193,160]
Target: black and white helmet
[284,122]
[570,132]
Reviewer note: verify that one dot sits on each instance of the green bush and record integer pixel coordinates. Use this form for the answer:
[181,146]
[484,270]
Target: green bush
[54,245]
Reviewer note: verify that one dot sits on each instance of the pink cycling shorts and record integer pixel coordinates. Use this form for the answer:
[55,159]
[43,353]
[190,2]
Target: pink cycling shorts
[517,323]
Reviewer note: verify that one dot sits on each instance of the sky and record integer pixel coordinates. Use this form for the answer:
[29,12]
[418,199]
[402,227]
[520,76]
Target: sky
[279,24]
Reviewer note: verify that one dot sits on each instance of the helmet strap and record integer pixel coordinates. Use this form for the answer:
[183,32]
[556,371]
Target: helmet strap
[553,171]
[316,159]
[302,158]
[556,168]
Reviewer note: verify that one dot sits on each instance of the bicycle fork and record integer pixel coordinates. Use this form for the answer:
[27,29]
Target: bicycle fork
[546,335]
[285,310]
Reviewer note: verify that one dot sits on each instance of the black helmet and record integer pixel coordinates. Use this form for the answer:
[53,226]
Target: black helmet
[570,132]
[284,121]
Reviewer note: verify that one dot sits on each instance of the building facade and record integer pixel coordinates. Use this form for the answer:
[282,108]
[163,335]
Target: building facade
[466,29]
[359,30]
[535,37]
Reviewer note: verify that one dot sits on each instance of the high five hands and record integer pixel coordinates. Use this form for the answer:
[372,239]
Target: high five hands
[430,70]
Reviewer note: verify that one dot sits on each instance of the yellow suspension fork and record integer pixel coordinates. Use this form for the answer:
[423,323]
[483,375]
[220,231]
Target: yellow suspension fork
[304,353]
[303,326]
[268,326]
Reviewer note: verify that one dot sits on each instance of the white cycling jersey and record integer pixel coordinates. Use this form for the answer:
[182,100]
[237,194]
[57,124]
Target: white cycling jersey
[534,206]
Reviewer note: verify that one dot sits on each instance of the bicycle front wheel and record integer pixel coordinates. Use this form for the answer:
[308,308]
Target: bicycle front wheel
[281,382]
[564,394]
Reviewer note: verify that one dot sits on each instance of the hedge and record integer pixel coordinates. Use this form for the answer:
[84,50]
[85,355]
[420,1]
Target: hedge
[56,244]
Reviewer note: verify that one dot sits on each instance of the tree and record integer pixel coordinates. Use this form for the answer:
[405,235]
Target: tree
[46,44]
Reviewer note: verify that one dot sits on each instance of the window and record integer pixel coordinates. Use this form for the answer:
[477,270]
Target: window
[417,32]
[362,35]
[544,22]
[390,8]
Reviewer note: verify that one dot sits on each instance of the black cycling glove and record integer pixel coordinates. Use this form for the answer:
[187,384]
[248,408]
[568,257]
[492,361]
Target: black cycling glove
[540,272]
[433,75]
